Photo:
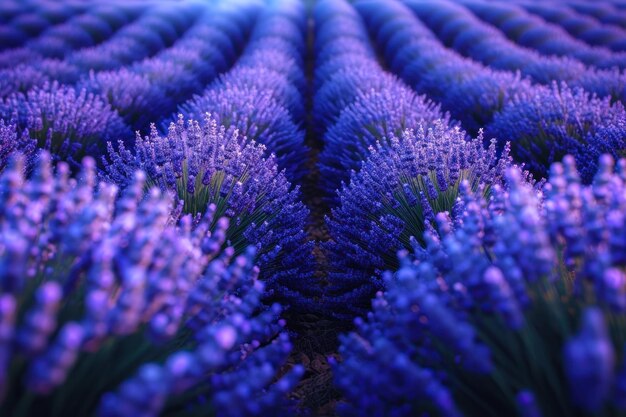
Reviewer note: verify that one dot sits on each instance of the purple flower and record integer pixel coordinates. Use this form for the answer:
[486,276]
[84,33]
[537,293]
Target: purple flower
[261,95]
[374,117]
[11,141]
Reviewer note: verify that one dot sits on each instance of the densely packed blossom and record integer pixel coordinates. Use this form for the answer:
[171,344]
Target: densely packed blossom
[547,123]
[514,308]
[111,308]
[203,164]
[11,142]
[64,121]
[393,199]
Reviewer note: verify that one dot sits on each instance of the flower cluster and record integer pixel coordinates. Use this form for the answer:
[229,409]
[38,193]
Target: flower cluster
[11,142]
[548,123]
[67,122]
[99,286]
[516,307]
[393,199]
[261,96]
[204,164]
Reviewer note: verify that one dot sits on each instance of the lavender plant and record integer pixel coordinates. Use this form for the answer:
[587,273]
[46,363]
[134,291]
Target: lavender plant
[516,307]
[204,164]
[258,117]
[374,117]
[108,307]
[393,199]
[136,98]
[153,31]
[66,122]
[151,89]
[583,27]
[547,123]
[261,95]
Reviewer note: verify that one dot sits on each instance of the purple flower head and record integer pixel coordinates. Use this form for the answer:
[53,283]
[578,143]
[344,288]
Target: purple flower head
[66,122]
[394,197]
[545,124]
[94,273]
[204,164]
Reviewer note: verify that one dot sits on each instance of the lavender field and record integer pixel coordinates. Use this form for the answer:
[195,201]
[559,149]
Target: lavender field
[269,208]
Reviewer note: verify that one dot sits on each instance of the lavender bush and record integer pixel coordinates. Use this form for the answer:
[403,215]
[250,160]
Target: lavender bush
[374,117]
[465,33]
[548,39]
[393,199]
[108,307]
[66,122]
[548,123]
[471,92]
[261,95]
[203,163]
[514,308]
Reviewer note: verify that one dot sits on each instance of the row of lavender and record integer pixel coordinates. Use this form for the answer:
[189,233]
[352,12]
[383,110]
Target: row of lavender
[161,300]
[509,294]
[409,178]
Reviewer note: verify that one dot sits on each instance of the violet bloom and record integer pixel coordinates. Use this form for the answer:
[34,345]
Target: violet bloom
[261,96]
